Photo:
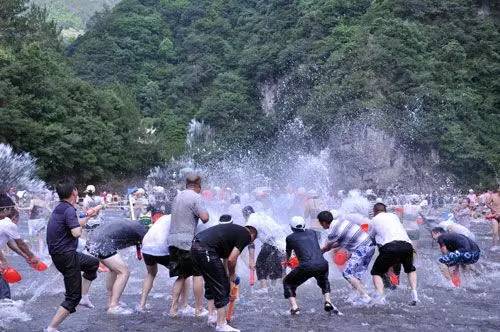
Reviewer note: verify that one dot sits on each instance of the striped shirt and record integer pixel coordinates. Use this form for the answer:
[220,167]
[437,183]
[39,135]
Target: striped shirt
[348,235]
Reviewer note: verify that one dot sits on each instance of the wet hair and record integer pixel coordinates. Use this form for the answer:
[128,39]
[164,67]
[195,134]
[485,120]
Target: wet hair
[439,230]
[325,217]
[379,207]
[225,219]
[64,189]
[193,180]
[253,231]
[247,210]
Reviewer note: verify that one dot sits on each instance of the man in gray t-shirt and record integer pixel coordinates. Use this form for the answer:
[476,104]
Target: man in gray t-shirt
[186,210]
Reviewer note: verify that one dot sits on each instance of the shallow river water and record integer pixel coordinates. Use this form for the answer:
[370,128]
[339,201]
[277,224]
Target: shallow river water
[476,306]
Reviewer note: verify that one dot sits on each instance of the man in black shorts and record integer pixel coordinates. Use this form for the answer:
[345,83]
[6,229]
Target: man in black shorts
[63,231]
[187,209]
[209,248]
[394,248]
[104,243]
[304,243]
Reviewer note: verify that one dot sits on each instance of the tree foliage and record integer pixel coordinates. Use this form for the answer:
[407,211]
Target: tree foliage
[72,128]
[428,69]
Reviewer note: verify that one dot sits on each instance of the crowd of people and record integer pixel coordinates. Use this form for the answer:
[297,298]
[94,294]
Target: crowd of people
[281,236]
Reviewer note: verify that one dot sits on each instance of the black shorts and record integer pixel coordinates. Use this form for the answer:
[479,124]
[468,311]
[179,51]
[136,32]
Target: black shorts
[71,265]
[181,264]
[214,274]
[268,264]
[153,260]
[393,253]
[301,274]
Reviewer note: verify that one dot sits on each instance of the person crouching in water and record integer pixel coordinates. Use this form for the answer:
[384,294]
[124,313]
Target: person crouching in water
[215,252]
[104,243]
[268,264]
[395,248]
[458,251]
[155,251]
[349,236]
[304,243]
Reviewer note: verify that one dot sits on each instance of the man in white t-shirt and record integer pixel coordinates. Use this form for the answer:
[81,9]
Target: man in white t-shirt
[9,235]
[395,247]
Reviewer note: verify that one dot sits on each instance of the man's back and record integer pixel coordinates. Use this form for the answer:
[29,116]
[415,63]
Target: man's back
[223,238]
[187,207]
[455,241]
[306,247]
[386,228]
[59,237]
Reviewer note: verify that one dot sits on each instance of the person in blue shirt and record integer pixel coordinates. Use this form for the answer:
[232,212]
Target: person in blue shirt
[304,243]
[63,230]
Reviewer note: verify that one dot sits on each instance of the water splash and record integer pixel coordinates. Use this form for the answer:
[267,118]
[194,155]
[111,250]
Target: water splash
[18,170]
[12,311]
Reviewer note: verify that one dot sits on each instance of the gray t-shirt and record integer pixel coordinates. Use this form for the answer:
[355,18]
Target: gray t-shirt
[186,209]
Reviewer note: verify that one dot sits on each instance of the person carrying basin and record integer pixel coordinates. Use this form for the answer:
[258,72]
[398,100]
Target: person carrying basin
[395,248]
[187,209]
[346,235]
[269,261]
[215,252]
[63,230]
[304,243]
[104,243]
[9,235]
[458,251]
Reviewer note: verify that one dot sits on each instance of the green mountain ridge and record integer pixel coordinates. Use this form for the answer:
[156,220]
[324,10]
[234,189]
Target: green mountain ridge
[423,72]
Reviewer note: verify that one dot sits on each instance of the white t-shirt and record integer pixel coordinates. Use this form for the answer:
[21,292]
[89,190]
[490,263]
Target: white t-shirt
[155,242]
[8,231]
[386,227]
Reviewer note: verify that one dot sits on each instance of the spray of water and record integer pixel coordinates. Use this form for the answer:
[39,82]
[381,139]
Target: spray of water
[18,170]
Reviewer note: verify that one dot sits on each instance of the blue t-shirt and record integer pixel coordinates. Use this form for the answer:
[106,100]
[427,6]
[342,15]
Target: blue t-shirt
[61,222]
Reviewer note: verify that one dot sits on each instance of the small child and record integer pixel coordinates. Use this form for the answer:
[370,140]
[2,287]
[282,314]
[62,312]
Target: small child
[304,243]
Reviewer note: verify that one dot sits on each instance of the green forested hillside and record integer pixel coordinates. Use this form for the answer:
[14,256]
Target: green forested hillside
[430,68]
[73,128]
[424,71]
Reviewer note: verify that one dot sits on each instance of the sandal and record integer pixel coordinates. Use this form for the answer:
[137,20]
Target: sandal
[294,312]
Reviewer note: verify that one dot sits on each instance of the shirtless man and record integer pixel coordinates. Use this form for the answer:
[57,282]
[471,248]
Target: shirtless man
[494,204]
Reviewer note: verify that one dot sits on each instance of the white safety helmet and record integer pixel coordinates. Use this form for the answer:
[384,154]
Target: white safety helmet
[90,189]
[298,222]
[141,191]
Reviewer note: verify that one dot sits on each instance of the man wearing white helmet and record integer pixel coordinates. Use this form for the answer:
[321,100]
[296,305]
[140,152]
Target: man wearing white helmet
[304,243]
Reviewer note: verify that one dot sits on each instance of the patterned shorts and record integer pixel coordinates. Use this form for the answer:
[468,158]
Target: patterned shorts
[359,261]
[459,257]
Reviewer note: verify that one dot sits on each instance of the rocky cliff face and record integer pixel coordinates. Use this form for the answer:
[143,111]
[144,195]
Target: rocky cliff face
[360,153]
[368,157]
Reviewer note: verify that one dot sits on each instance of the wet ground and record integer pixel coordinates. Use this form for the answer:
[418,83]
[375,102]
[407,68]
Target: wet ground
[476,306]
